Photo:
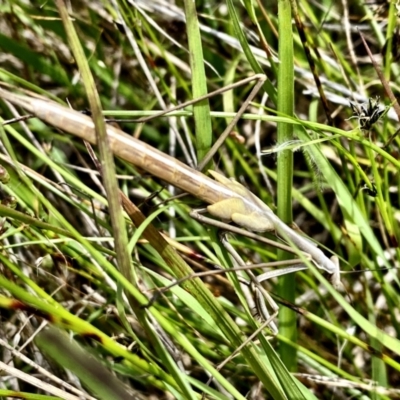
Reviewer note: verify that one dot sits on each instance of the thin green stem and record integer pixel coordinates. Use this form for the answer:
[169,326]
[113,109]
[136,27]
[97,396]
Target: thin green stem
[286,289]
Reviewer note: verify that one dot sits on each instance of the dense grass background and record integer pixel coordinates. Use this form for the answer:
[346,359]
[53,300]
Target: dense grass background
[74,273]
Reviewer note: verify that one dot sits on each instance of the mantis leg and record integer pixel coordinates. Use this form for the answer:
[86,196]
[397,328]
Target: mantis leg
[261,296]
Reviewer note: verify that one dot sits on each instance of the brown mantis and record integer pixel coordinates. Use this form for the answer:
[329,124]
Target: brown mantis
[228,200]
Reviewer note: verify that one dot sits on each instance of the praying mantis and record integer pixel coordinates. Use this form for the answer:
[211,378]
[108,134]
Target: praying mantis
[227,199]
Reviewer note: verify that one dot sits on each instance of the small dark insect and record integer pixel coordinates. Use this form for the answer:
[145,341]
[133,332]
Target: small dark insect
[367,114]
[370,191]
